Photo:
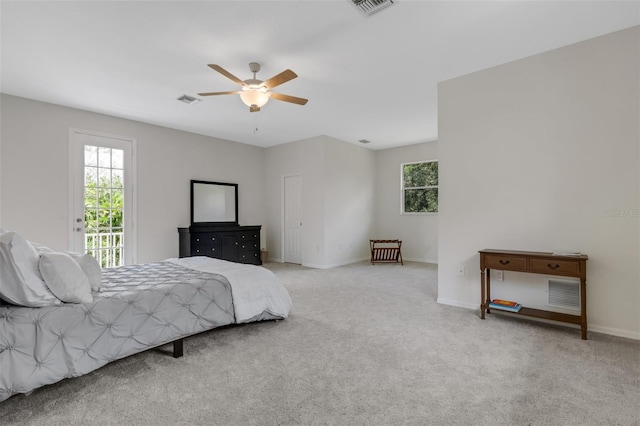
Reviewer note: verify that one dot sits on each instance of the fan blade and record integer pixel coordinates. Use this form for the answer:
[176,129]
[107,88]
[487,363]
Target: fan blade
[254,108]
[218,93]
[277,80]
[226,74]
[287,98]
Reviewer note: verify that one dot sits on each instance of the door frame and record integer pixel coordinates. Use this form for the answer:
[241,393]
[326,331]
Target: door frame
[282,218]
[75,163]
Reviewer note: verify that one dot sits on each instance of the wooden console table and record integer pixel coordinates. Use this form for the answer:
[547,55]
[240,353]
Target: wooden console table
[535,263]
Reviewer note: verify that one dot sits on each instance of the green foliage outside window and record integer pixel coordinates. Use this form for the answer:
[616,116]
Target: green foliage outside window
[103,205]
[420,187]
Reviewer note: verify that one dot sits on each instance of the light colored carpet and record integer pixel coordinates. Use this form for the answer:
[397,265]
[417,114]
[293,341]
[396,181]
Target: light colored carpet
[365,345]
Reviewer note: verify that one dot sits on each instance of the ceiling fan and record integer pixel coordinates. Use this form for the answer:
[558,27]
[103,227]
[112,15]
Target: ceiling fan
[256,93]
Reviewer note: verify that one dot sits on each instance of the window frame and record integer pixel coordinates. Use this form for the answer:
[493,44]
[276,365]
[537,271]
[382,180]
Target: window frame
[403,189]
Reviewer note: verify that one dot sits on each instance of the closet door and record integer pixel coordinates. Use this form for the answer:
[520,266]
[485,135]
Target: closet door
[293,219]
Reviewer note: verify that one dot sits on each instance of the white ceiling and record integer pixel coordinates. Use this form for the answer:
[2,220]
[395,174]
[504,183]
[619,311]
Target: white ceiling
[369,78]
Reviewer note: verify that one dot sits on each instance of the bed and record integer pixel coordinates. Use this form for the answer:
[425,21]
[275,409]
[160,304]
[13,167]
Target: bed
[136,308]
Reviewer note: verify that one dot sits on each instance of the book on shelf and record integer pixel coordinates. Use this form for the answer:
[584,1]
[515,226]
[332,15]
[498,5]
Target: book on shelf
[507,308]
[504,302]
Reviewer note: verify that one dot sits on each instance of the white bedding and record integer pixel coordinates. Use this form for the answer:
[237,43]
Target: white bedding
[254,289]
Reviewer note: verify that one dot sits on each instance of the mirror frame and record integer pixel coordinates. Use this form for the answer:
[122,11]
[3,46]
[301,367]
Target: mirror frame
[234,185]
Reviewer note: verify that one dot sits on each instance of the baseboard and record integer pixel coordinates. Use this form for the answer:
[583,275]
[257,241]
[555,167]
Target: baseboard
[335,265]
[457,304]
[591,327]
[411,259]
[613,331]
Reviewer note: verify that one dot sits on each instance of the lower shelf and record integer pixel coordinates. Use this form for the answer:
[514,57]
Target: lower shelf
[539,313]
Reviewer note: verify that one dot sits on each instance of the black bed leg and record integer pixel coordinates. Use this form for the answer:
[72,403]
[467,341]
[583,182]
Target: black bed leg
[178,348]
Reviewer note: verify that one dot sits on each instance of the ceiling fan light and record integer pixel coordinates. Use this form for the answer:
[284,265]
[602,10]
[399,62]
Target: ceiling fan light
[254,96]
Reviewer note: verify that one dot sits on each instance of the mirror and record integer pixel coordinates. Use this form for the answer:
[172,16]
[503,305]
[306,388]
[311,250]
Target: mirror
[214,202]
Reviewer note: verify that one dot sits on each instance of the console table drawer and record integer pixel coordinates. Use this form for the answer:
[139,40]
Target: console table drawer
[553,267]
[505,262]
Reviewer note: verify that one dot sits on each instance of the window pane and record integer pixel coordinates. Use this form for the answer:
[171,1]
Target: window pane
[420,174]
[104,157]
[118,179]
[421,200]
[117,158]
[90,155]
[90,176]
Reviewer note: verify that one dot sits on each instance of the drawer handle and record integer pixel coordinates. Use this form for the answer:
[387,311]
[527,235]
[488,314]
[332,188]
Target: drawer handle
[556,266]
[213,249]
[504,262]
[213,239]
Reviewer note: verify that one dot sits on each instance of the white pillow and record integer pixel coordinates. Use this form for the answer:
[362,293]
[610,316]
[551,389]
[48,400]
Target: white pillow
[88,263]
[20,280]
[65,278]
[91,267]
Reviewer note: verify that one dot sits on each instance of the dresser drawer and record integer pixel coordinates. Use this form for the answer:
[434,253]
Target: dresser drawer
[249,257]
[553,266]
[248,246]
[205,239]
[505,262]
[204,251]
[248,235]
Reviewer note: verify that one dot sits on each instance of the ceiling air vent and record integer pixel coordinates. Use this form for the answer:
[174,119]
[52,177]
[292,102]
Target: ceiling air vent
[188,99]
[364,141]
[369,7]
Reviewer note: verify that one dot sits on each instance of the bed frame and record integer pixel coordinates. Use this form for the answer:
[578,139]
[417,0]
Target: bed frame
[386,251]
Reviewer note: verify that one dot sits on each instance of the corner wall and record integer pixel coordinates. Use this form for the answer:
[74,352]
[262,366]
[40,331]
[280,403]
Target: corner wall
[418,232]
[543,154]
[337,199]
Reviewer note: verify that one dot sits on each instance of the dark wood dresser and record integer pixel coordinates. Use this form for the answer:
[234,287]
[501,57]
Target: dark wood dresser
[227,242]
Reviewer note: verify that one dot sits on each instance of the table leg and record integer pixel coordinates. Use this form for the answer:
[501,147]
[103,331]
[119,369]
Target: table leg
[482,299]
[488,290]
[583,308]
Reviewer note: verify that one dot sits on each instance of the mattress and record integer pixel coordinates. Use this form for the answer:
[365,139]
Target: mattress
[137,307]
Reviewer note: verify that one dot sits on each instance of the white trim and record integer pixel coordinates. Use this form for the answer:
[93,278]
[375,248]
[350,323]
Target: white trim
[411,259]
[590,327]
[336,265]
[402,189]
[132,174]
[457,304]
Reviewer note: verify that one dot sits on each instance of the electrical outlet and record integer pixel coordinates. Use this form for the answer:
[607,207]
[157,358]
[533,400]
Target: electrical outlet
[460,271]
[498,275]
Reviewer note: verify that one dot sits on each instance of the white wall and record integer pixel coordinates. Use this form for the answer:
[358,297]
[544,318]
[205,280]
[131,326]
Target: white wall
[349,172]
[419,233]
[338,193]
[35,177]
[533,156]
[303,158]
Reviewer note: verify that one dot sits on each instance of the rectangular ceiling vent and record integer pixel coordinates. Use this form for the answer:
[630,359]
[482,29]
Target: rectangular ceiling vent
[188,99]
[564,294]
[369,7]
[364,141]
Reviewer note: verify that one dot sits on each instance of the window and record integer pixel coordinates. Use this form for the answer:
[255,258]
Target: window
[420,187]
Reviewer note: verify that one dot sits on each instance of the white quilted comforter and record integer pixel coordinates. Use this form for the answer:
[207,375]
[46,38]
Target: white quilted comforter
[138,307]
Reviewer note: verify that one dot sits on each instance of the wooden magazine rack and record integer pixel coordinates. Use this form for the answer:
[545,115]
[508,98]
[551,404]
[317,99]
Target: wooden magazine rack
[386,251]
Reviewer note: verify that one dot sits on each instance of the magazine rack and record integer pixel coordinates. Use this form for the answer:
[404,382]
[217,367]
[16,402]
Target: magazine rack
[386,251]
